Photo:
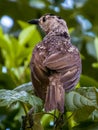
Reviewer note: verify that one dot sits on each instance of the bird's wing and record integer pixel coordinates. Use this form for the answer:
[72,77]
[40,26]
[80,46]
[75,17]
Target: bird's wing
[60,60]
[38,75]
[69,65]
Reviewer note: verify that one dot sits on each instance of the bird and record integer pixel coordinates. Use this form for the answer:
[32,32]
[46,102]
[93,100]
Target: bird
[55,63]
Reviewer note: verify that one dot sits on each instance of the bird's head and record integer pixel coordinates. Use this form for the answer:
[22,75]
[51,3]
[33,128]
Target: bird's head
[50,22]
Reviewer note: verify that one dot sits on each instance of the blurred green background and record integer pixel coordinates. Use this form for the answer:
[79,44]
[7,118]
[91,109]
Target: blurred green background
[18,38]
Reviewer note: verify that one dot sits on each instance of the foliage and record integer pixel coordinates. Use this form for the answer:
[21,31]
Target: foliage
[17,52]
[16,45]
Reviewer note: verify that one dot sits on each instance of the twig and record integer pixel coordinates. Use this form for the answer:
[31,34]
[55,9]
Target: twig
[27,120]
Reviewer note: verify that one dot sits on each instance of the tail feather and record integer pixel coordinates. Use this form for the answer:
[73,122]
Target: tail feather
[55,95]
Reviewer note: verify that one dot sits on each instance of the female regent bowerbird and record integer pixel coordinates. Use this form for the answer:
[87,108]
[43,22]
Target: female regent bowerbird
[55,63]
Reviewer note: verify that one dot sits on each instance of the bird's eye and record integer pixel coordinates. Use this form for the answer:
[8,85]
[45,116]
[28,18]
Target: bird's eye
[51,14]
[44,19]
[59,17]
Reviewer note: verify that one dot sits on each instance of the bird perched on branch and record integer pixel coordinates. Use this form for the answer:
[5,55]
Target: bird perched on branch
[55,63]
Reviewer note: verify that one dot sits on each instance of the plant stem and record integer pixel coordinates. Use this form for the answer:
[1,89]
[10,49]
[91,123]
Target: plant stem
[25,108]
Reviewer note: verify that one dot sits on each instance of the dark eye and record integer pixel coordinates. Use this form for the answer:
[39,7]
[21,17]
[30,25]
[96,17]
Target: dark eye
[51,14]
[44,19]
[59,17]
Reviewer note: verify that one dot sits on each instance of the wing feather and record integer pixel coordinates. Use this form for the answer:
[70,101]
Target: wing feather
[59,61]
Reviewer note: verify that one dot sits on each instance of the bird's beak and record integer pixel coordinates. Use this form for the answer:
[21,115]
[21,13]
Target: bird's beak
[34,21]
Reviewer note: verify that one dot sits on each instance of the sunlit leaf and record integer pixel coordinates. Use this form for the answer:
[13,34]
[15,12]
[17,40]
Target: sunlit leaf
[18,71]
[23,24]
[23,54]
[95,65]
[4,45]
[47,120]
[35,39]
[96,46]
[14,46]
[1,32]
[26,34]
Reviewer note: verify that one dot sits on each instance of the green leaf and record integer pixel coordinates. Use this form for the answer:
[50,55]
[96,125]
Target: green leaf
[94,115]
[26,34]
[26,87]
[83,102]
[35,102]
[6,81]
[23,24]
[83,114]
[81,97]
[35,39]
[86,126]
[88,81]
[23,54]
[8,97]
[1,32]
[8,50]
[95,65]
[96,46]
[37,124]
[14,46]
[49,117]
[5,44]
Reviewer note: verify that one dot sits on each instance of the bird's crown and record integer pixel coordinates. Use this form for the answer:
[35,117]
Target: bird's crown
[51,23]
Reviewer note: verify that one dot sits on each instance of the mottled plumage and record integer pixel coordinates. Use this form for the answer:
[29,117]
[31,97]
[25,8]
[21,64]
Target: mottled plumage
[55,63]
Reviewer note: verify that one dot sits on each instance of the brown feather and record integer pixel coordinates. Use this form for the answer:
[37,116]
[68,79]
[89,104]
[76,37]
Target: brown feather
[55,64]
